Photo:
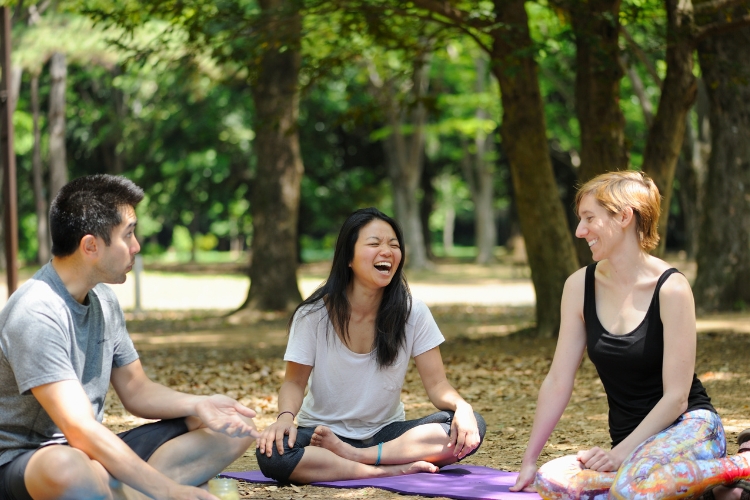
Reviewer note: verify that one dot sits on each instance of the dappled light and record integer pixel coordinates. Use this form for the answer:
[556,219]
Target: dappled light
[496,370]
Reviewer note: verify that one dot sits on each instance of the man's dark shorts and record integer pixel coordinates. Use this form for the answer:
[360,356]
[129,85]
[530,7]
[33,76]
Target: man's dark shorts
[143,440]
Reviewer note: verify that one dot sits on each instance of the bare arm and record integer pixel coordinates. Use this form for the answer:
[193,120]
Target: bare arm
[145,398]
[464,431]
[677,310]
[70,409]
[555,391]
[290,400]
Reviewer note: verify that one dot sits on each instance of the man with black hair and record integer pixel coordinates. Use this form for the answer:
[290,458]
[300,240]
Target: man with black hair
[63,341]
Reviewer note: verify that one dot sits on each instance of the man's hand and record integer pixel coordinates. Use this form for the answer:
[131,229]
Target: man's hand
[599,460]
[284,426]
[223,414]
[464,431]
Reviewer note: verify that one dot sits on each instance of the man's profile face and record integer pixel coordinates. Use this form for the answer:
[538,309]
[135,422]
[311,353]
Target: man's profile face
[118,258]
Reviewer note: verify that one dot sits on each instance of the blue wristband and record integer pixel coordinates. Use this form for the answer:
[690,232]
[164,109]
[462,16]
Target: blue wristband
[380,450]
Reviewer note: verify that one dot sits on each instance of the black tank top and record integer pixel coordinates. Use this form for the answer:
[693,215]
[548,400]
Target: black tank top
[630,365]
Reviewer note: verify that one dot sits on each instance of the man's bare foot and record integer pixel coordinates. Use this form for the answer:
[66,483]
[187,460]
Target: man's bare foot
[324,437]
[404,469]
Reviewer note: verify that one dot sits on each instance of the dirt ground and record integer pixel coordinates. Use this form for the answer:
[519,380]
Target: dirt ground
[490,357]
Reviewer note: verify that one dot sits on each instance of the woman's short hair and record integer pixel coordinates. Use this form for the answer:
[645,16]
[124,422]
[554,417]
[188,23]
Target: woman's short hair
[617,190]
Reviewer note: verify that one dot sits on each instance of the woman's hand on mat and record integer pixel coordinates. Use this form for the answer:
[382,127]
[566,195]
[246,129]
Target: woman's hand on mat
[525,479]
[223,414]
[464,431]
[274,433]
[599,460]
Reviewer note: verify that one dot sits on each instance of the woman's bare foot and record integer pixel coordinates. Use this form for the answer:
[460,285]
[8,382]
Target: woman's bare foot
[727,493]
[404,469]
[324,437]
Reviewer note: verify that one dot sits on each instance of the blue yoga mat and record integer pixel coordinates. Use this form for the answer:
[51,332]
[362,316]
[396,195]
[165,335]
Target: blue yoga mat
[465,482]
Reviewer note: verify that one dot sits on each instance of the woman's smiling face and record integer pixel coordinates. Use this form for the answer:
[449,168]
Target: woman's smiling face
[597,226]
[377,255]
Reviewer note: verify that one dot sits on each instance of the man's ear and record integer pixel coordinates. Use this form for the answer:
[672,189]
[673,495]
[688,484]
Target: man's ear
[89,246]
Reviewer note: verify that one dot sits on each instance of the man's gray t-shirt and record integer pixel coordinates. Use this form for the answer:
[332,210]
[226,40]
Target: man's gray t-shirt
[47,336]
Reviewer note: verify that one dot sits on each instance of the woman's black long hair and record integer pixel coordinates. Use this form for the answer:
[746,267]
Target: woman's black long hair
[395,307]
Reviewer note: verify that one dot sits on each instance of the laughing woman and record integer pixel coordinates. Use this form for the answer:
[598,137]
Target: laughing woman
[352,340]
[635,315]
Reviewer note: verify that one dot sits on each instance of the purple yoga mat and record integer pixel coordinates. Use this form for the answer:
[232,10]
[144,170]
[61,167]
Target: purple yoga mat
[465,482]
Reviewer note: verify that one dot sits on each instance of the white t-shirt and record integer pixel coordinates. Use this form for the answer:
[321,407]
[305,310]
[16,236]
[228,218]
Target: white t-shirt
[348,392]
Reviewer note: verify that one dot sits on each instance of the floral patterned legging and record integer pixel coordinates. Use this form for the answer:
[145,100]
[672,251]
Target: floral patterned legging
[682,461]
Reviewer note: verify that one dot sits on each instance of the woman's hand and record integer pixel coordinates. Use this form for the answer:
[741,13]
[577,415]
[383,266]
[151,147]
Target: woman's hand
[525,480]
[599,460]
[464,431]
[284,426]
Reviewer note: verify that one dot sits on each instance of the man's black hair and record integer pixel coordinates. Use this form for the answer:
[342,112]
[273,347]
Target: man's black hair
[89,205]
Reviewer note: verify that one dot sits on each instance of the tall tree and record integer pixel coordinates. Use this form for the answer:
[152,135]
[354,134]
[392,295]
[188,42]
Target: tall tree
[42,228]
[405,113]
[58,170]
[478,167]
[678,94]
[276,187]
[504,34]
[596,27]
[724,250]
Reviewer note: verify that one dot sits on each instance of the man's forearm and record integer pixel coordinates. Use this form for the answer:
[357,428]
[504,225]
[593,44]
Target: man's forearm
[100,444]
[155,401]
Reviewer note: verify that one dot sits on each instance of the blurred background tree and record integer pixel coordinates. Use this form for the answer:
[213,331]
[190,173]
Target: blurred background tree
[257,126]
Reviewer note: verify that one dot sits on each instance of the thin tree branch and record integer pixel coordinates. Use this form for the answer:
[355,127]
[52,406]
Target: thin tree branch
[18,11]
[715,5]
[641,55]
[42,6]
[639,90]
[456,15]
[450,23]
[713,29]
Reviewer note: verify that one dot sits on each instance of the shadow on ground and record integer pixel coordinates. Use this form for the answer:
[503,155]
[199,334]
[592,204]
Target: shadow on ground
[490,355]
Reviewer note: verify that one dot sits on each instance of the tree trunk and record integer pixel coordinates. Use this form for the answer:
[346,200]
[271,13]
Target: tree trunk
[690,175]
[597,94]
[405,156]
[677,97]
[42,226]
[598,73]
[448,228]
[724,250]
[15,91]
[276,186]
[448,201]
[427,205]
[58,172]
[548,242]
[479,172]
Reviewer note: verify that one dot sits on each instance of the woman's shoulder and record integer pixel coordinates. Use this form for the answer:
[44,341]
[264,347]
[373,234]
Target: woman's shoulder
[311,310]
[674,283]
[418,307]
[676,286]
[577,280]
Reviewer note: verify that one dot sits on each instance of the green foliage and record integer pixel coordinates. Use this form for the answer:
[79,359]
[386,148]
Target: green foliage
[160,91]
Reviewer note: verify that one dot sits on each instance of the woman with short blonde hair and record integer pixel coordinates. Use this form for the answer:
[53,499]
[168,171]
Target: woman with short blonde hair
[635,316]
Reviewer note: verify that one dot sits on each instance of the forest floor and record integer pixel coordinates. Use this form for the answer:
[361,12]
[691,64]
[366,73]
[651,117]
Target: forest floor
[187,342]
[490,355]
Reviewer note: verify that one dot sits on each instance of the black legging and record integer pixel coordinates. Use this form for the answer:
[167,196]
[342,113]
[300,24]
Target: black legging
[280,467]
